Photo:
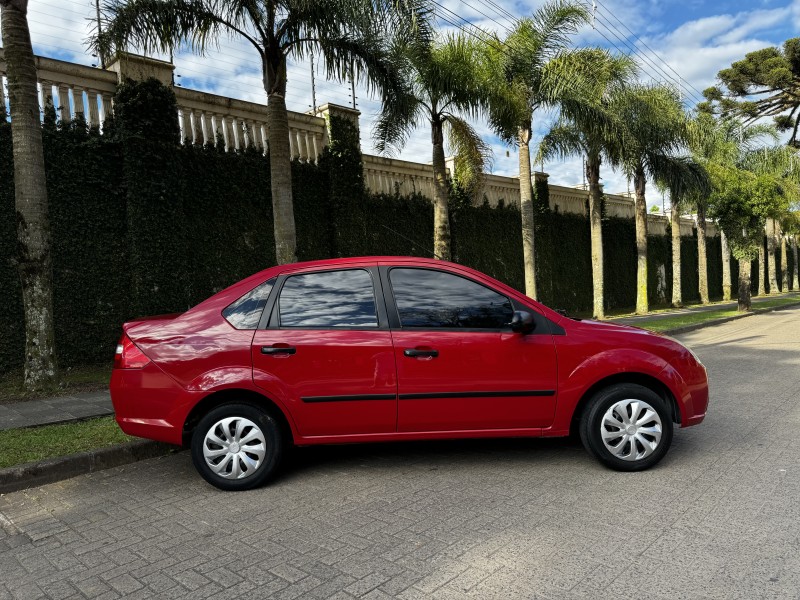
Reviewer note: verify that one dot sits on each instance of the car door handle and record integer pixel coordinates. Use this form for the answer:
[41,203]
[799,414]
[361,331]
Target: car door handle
[417,353]
[278,349]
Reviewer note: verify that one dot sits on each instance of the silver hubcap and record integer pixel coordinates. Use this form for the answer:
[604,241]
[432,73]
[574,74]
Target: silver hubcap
[234,448]
[631,429]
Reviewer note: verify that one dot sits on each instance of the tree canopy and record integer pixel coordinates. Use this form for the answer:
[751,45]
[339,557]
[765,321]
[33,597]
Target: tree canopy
[766,83]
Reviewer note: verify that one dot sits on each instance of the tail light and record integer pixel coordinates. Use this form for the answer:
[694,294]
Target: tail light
[128,355]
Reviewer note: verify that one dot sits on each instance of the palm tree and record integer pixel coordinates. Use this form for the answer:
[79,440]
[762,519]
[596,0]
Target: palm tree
[686,180]
[655,129]
[348,35]
[30,197]
[791,225]
[445,84]
[726,264]
[525,74]
[772,245]
[724,142]
[597,135]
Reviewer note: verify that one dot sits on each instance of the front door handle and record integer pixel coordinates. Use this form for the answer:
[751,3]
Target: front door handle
[278,349]
[417,353]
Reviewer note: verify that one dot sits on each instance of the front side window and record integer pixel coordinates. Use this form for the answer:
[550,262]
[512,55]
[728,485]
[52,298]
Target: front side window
[340,299]
[245,313]
[428,298]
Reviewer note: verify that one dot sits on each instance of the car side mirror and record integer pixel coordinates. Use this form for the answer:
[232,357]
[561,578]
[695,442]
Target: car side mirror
[522,322]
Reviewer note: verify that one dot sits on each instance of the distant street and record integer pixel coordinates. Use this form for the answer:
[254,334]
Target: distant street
[718,518]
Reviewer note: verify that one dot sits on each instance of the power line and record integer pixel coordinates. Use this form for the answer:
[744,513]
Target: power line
[655,54]
[648,65]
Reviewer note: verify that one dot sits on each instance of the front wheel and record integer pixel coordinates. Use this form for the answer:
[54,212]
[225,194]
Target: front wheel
[627,427]
[236,447]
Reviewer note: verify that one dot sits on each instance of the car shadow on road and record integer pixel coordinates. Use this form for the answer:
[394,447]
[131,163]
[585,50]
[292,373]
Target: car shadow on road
[431,454]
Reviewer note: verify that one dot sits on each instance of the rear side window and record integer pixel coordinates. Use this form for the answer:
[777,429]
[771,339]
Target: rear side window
[336,299]
[245,313]
[435,299]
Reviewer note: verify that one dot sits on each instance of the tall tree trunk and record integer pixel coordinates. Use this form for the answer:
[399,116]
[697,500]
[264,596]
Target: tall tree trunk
[280,162]
[675,226]
[596,232]
[796,271]
[702,257]
[441,216]
[639,183]
[784,263]
[761,269]
[526,208]
[745,265]
[726,265]
[771,266]
[30,197]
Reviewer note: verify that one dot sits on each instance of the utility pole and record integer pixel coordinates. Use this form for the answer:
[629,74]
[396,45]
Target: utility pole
[353,85]
[99,31]
[313,87]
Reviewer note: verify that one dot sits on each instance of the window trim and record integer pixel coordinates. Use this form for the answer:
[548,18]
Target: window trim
[272,310]
[394,313]
[263,309]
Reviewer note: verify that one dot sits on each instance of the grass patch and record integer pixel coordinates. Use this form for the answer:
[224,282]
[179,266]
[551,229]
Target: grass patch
[88,378]
[694,318]
[19,446]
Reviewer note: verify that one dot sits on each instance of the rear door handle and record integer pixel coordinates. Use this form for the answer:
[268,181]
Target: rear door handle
[278,349]
[416,353]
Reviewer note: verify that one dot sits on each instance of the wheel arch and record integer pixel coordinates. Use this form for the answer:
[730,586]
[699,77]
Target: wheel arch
[235,396]
[648,381]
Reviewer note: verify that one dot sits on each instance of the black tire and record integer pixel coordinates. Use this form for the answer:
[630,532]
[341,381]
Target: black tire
[592,427]
[272,442]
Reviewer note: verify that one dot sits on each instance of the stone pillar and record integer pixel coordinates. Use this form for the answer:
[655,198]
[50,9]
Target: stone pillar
[140,68]
[94,108]
[327,111]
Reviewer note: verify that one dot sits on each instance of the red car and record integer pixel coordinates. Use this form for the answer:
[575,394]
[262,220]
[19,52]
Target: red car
[387,349]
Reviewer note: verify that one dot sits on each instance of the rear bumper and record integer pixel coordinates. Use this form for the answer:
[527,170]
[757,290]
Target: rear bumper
[148,403]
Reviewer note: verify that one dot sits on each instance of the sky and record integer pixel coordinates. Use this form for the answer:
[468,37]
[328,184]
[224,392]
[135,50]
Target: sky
[684,43]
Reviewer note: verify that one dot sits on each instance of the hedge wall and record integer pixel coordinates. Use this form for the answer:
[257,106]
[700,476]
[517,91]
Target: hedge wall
[143,225]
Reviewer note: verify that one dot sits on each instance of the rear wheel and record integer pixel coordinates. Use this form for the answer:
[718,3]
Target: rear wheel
[236,447]
[627,427]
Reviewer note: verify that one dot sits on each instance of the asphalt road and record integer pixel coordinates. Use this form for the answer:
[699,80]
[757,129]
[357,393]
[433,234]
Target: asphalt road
[718,518]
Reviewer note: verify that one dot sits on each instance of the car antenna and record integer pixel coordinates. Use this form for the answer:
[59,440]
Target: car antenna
[412,242]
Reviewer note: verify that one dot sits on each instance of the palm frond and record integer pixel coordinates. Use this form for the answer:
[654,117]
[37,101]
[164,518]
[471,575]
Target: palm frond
[564,140]
[162,25]
[686,179]
[472,154]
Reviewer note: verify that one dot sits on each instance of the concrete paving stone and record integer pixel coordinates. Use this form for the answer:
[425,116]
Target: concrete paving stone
[719,518]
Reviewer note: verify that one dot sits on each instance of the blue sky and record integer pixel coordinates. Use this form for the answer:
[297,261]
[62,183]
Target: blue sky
[686,42]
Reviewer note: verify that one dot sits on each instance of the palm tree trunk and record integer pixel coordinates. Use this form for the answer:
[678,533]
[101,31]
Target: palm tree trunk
[30,197]
[526,208]
[784,264]
[761,269]
[441,216]
[280,161]
[639,182]
[726,265]
[744,284]
[796,274]
[702,257]
[675,226]
[771,266]
[596,232]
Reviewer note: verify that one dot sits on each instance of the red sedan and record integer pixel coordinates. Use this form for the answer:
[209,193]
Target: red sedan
[387,349]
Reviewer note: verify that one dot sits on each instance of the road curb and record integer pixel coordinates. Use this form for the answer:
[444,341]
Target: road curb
[688,328]
[34,474]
